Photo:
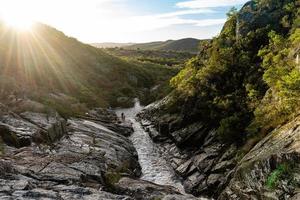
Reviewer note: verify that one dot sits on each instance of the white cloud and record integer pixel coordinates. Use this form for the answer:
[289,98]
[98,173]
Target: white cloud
[187,12]
[152,22]
[210,22]
[208,3]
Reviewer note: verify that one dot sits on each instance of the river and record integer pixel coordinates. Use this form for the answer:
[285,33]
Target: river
[155,167]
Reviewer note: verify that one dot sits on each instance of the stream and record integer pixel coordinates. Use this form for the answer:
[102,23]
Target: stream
[155,167]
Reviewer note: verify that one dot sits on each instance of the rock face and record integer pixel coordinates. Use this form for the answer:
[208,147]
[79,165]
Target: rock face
[47,157]
[69,162]
[21,130]
[194,152]
[271,169]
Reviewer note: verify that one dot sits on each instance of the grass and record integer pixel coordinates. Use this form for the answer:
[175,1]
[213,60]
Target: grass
[281,172]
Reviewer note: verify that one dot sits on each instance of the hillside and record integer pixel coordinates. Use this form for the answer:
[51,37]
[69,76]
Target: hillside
[183,45]
[46,66]
[165,58]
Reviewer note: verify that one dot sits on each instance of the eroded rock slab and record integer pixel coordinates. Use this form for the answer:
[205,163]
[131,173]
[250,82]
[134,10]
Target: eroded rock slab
[271,169]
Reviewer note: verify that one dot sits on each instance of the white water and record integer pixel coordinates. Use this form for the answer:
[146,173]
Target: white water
[154,167]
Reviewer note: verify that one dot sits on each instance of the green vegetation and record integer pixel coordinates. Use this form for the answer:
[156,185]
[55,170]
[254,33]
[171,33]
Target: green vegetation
[282,75]
[46,66]
[283,171]
[245,81]
[166,58]
[184,45]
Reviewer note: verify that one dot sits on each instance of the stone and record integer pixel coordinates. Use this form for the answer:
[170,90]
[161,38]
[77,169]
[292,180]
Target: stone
[186,168]
[54,125]
[193,133]
[145,190]
[280,147]
[72,164]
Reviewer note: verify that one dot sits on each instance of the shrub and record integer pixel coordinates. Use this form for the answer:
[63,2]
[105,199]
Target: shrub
[282,171]
[231,129]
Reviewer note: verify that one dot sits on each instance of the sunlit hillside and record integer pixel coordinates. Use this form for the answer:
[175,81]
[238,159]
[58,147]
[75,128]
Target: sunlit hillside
[43,61]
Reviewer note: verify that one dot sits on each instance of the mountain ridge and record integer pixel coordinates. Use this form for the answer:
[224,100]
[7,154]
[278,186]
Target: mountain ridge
[181,45]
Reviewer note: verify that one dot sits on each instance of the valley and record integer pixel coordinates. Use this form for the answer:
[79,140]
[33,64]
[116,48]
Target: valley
[181,119]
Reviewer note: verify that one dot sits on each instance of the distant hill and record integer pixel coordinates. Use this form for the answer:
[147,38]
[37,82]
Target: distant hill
[183,45]
[110,44]
[45,65]
[165,58]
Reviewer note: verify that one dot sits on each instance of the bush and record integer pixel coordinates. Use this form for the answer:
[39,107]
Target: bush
[231,130]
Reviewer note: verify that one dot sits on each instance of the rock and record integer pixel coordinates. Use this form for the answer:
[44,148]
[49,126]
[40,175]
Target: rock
[21,130]
[214,179]
[186,168]
[204,164]
[54,125]
[144,190]
[193,181]
[277,151]
[182,197]
[163,128]
[191,134]
[296,196]
[223,166]
[103,115]
[109,119]
[72,167]
[19,133]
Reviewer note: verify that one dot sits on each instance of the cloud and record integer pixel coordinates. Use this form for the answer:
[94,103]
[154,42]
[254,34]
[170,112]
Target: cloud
[193,4]
[210,22]
[187,12]
[158,21]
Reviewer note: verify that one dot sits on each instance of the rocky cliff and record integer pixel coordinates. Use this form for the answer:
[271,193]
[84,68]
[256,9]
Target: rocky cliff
[229,127]
[44,156]
[269,171]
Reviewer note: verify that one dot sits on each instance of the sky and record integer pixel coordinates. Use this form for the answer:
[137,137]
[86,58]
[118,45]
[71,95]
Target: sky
[124,20]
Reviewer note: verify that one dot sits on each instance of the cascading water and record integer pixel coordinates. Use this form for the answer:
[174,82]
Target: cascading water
[155,167]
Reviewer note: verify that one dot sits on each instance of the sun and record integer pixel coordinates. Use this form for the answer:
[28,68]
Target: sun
[17,14]
[18,21]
